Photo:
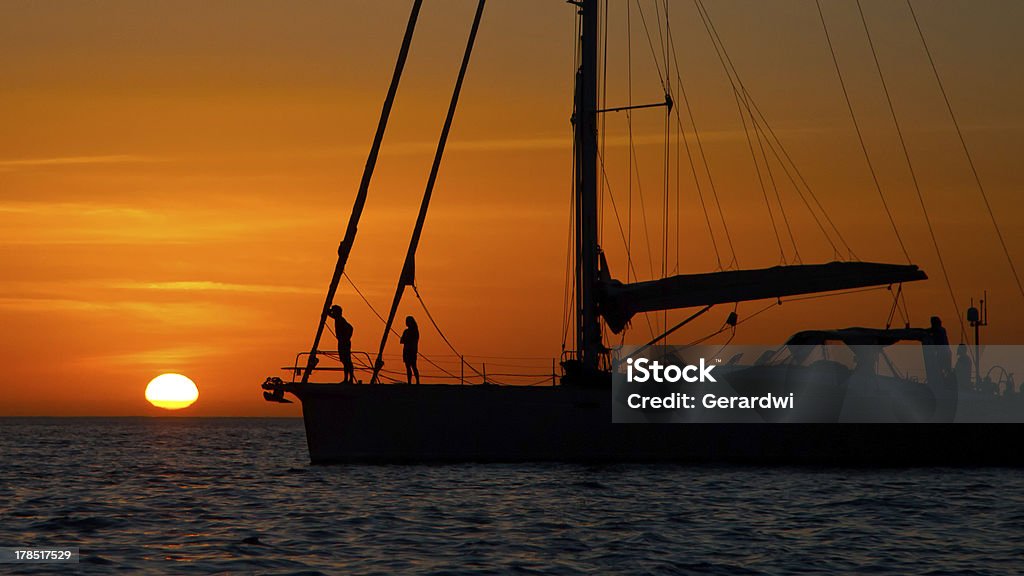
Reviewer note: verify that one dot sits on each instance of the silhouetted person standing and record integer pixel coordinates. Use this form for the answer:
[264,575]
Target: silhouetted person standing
[343,331]
[962,368]
[941,342]
[410,349]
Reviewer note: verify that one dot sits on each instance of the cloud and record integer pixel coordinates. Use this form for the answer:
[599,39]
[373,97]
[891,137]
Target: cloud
[55,223]
[70,209]
[51,290]
[160,358]
[175,314]
[212,286]
[60,161]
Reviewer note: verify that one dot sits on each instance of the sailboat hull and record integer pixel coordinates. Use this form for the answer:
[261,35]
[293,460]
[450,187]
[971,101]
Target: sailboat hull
[451,423]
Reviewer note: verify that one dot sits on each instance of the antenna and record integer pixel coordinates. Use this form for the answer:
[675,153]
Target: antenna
[978,317]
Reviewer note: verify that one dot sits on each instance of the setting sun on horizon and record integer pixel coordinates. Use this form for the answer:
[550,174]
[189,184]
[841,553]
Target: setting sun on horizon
[172,391]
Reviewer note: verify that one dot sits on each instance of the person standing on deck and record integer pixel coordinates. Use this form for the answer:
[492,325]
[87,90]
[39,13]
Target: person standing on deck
[343,331]
[410,349]
[962,368]
[941,343]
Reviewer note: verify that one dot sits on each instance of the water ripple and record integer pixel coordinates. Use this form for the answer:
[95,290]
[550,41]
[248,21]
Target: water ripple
[237,495]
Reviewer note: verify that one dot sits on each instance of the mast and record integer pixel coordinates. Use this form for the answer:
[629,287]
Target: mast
[599,296]
[588,331]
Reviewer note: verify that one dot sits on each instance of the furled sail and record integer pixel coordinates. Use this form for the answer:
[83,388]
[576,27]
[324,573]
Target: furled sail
[618,302]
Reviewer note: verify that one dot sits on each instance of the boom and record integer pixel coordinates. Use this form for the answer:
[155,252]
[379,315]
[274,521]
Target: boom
[618,302]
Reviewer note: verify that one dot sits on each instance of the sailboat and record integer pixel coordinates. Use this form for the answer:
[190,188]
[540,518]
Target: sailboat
[573,420]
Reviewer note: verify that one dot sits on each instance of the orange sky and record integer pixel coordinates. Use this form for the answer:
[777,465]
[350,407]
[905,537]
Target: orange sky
[175,177]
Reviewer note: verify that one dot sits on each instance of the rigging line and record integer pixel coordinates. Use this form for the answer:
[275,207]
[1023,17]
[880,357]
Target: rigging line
[567,289]
[567,295]
[440,332]
[679,135]
[732,334]
[643,208]
[800,192]
[650,43]
[360,293]
[629,130]
[967,152]
[746,132]
[615,209]
[661,42]
[665,335]
[723,56]
[778,194]
[668,52]
[913,174]
[381,318]
[778,197]
[799,176]
[634,163]
[895,307]
[665,203]
[780,302]
[679,195]
[603,120]
[667,220]
[666,206]
[665,163]
[834,294]
[611,197]
[761,311]
[572,305]
[435,365]
[665,225]
[665,160]
[700,192]
[860,134]
[709,336]
[693,168]
[757,168]
[906,311]
[678,148]
[572,250]
[602,134]
[486,357]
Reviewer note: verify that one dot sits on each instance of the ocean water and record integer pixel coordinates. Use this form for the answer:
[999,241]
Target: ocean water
[158,495]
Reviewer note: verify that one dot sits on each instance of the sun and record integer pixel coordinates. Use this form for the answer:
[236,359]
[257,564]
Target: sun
[172,391]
